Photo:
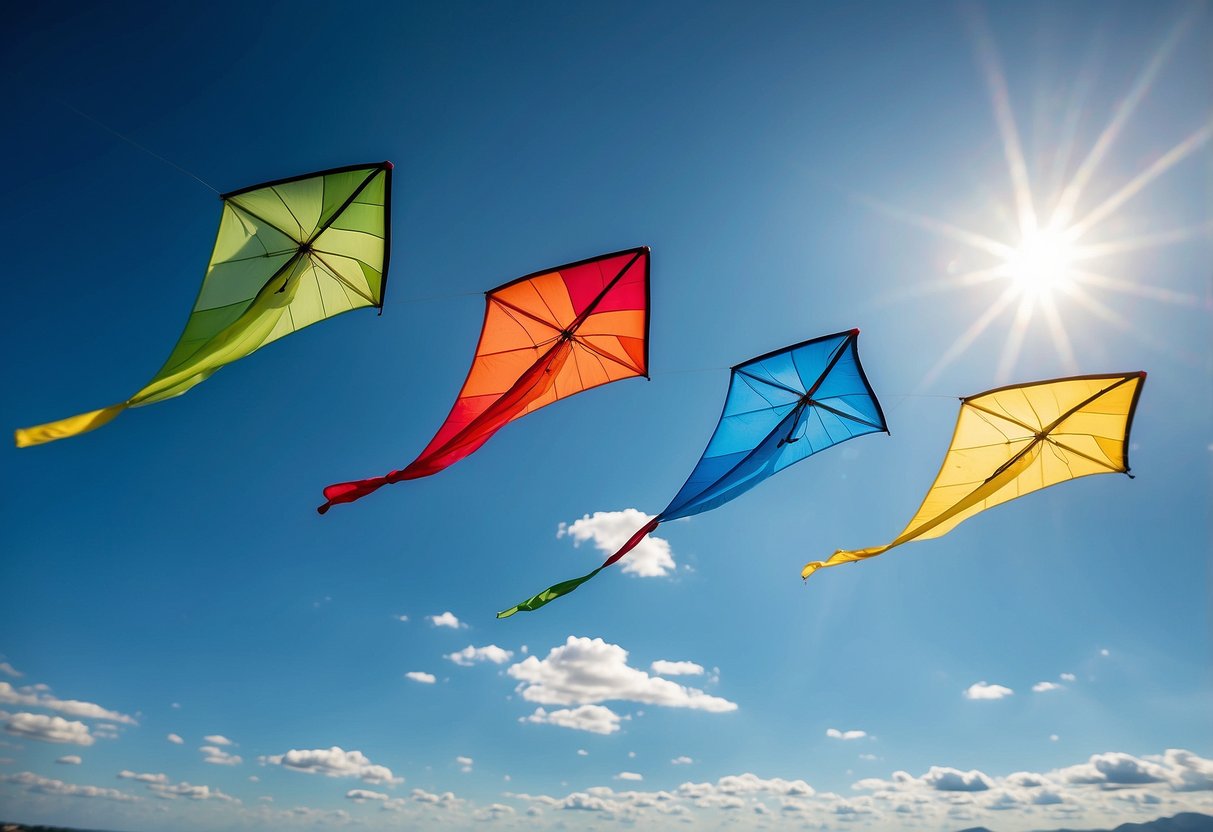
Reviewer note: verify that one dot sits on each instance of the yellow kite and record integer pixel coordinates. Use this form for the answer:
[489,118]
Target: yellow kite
[1015,440]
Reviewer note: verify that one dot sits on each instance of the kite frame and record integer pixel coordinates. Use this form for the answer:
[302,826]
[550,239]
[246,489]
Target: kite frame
[387,167]
[1091,377]
[648,262]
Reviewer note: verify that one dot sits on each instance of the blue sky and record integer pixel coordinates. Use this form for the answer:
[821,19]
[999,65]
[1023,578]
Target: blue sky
[797,169]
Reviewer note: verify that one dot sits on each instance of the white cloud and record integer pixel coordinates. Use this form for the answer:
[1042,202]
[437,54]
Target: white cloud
[1103,651]
[49,728]
[69,760]
[44,785]
[142,778]
[174,739]
[597,719]
[663,668]
[628,775]
[470,655]
[1068,677]
[421,676]
[36,696]
[581,752]
[465,764]
[172,791]
[609,530]
[217,739]
[9,670]
[834,733]
[217,756]
[589,671]
[1045,687]
[945,779]
[447,619]
[403,619]
[362,795]
[681,761]
[982,690]
[1053,738]
[334,762]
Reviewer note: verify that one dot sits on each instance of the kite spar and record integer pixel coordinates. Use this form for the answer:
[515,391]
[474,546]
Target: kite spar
[781,407]
[1014,440]
[288,254]
[546,336]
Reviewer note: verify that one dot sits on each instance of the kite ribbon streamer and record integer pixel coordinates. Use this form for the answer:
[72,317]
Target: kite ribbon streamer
[565,587]
[534,384]
[1007,474]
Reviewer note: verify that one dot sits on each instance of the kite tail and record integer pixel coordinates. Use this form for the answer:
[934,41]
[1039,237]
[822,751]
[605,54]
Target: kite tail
[71,426]
[843,556]
[348,492]
[565,587]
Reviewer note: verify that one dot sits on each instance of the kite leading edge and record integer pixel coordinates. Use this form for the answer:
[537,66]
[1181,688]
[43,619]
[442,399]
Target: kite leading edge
[546,336]
[288,253]
[1014,440]
[781,407]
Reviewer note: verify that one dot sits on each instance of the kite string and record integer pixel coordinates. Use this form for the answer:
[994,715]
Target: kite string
[136,144]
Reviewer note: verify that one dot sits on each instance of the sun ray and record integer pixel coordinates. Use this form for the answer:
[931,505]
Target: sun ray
[1127,287]
[1068,134]
[1160,166]
[1064,211]
[1130,244]
[960,281]
[996,83]
[1015,336]
[1111,316]
[966,338]
[945,229]
[1048,307]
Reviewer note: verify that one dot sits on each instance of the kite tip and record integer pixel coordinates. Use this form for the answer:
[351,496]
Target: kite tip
[855,331]
[324,508]
[1141,373]
[389,165]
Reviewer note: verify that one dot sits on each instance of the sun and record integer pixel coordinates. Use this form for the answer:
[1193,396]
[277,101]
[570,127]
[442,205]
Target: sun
[1041,263]
[1054,264]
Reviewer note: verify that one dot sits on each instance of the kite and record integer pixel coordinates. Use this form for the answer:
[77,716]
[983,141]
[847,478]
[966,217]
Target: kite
[781,407]
[546,336]
[289,253]
[1014,440]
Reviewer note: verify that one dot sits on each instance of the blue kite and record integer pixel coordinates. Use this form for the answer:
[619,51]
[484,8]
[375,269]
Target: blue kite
[782,407]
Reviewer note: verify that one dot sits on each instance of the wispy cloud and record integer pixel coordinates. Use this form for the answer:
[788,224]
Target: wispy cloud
[470,655]
[174,739]
[835,734]
[215,755]
[421,676]
[597,719]
[9,670]
[681,761]
[39,696]
[69,760]
[664,668]
[984,690]
[1045,687]
[333,762]
[45,785]
[609,530]
[446,619]
[217,739]
[49,729]
[585,671]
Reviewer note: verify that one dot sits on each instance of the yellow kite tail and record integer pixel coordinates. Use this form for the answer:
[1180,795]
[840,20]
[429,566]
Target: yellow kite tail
[843,556]
[71,426]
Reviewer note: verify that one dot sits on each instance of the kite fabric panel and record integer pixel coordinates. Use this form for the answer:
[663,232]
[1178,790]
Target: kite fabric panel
[546,336]
[781,407]
[1015,440]
[288,254]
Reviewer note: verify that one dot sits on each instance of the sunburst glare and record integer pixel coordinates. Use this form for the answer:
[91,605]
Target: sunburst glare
[1046,270]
